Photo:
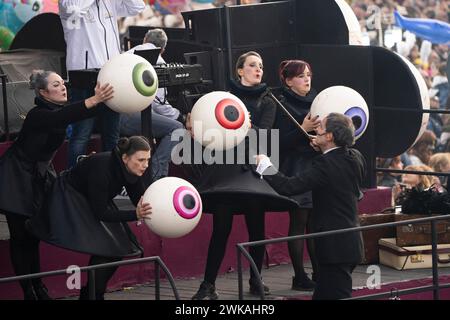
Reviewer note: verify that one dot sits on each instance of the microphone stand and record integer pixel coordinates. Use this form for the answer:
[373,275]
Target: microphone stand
[270,94]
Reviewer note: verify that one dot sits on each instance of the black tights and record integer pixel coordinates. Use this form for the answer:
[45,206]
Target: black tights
[102,276]
[24,250]
[299,221]
[222,223]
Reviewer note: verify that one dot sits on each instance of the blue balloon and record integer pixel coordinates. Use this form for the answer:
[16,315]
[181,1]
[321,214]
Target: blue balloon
[435,31]
[8,17]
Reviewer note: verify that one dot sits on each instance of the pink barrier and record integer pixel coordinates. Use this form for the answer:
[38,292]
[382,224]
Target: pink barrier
[185,257]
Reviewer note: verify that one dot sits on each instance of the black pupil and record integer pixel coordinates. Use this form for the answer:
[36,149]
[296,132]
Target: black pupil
[231,113]
[147,78]
[357,122]
[189,202]
[35,7]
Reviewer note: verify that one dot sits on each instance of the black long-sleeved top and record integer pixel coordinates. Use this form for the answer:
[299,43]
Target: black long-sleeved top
[44,128]
[262,108]
[292,141]
[335,179]
[25,169]
[100,178]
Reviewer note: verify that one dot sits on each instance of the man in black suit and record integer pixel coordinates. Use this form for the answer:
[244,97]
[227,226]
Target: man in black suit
[334,178]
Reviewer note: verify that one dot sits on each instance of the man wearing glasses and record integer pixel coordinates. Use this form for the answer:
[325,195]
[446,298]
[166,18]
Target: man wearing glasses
[334,178]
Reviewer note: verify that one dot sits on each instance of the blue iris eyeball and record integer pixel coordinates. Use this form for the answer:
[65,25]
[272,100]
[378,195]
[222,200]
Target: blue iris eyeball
[344,100]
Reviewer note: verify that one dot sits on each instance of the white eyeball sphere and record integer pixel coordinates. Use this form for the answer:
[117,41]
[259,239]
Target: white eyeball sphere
[176,207]
[134,80]
[344,100]
[220,120]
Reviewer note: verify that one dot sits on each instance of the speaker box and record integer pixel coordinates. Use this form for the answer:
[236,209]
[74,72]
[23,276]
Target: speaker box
[263,24]
[320,22]
[206,26]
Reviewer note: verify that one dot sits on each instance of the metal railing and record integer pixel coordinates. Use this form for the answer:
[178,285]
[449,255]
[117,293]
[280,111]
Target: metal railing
[241,250]
[90,269]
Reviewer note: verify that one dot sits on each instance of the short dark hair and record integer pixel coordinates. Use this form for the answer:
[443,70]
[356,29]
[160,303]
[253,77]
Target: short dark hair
[342,128]
[157,36]
[131,145]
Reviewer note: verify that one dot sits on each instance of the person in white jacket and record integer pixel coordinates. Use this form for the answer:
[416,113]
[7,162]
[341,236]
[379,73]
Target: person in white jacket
[92,38]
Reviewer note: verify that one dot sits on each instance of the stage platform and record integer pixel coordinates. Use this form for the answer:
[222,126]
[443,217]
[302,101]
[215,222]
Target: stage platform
[278,278]
[185,257]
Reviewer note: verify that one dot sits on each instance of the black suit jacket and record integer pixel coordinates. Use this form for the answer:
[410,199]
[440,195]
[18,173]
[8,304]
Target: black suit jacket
[335,180]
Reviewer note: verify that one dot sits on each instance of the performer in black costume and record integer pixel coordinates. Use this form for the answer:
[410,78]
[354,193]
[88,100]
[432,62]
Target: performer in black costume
[234,189]
[26,170]
[80,214]
[296,155]
[335,178]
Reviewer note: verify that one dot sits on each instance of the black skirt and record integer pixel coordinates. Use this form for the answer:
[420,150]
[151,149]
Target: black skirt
[23,183]
[238,187]
[292,166]
[67,221]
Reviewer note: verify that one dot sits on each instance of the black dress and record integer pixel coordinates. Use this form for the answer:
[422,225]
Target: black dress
[80,214]
[296,154]
[26,171]
[236,185]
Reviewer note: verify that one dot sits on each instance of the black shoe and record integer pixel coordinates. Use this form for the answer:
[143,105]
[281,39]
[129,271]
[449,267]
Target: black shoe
[29,294]
[84,294]
[207,291]
[254,288]
[303,283]
[28,291]
[41,291]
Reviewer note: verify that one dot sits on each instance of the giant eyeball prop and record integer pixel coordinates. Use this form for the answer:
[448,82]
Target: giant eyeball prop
[176,207]
[219,120]
[134,81]
[343,100]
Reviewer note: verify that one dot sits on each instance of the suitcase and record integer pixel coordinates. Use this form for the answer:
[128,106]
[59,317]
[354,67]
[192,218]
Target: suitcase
[411,257]
[420,233]
[371,237]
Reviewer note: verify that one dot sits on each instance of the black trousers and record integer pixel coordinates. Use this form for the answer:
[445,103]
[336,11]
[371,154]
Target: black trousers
[222,224]
[23,249]
[102,276]
[334,281]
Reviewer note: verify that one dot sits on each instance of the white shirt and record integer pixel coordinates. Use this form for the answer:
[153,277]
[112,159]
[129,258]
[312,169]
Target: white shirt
[91,26]
[331,149]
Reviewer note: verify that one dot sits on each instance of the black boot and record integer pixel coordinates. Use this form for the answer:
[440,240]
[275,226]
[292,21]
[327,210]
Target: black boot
[254,288]
[207,291]
[29,294]
[303,283]
[41,291]
[28,291]
[84,294]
